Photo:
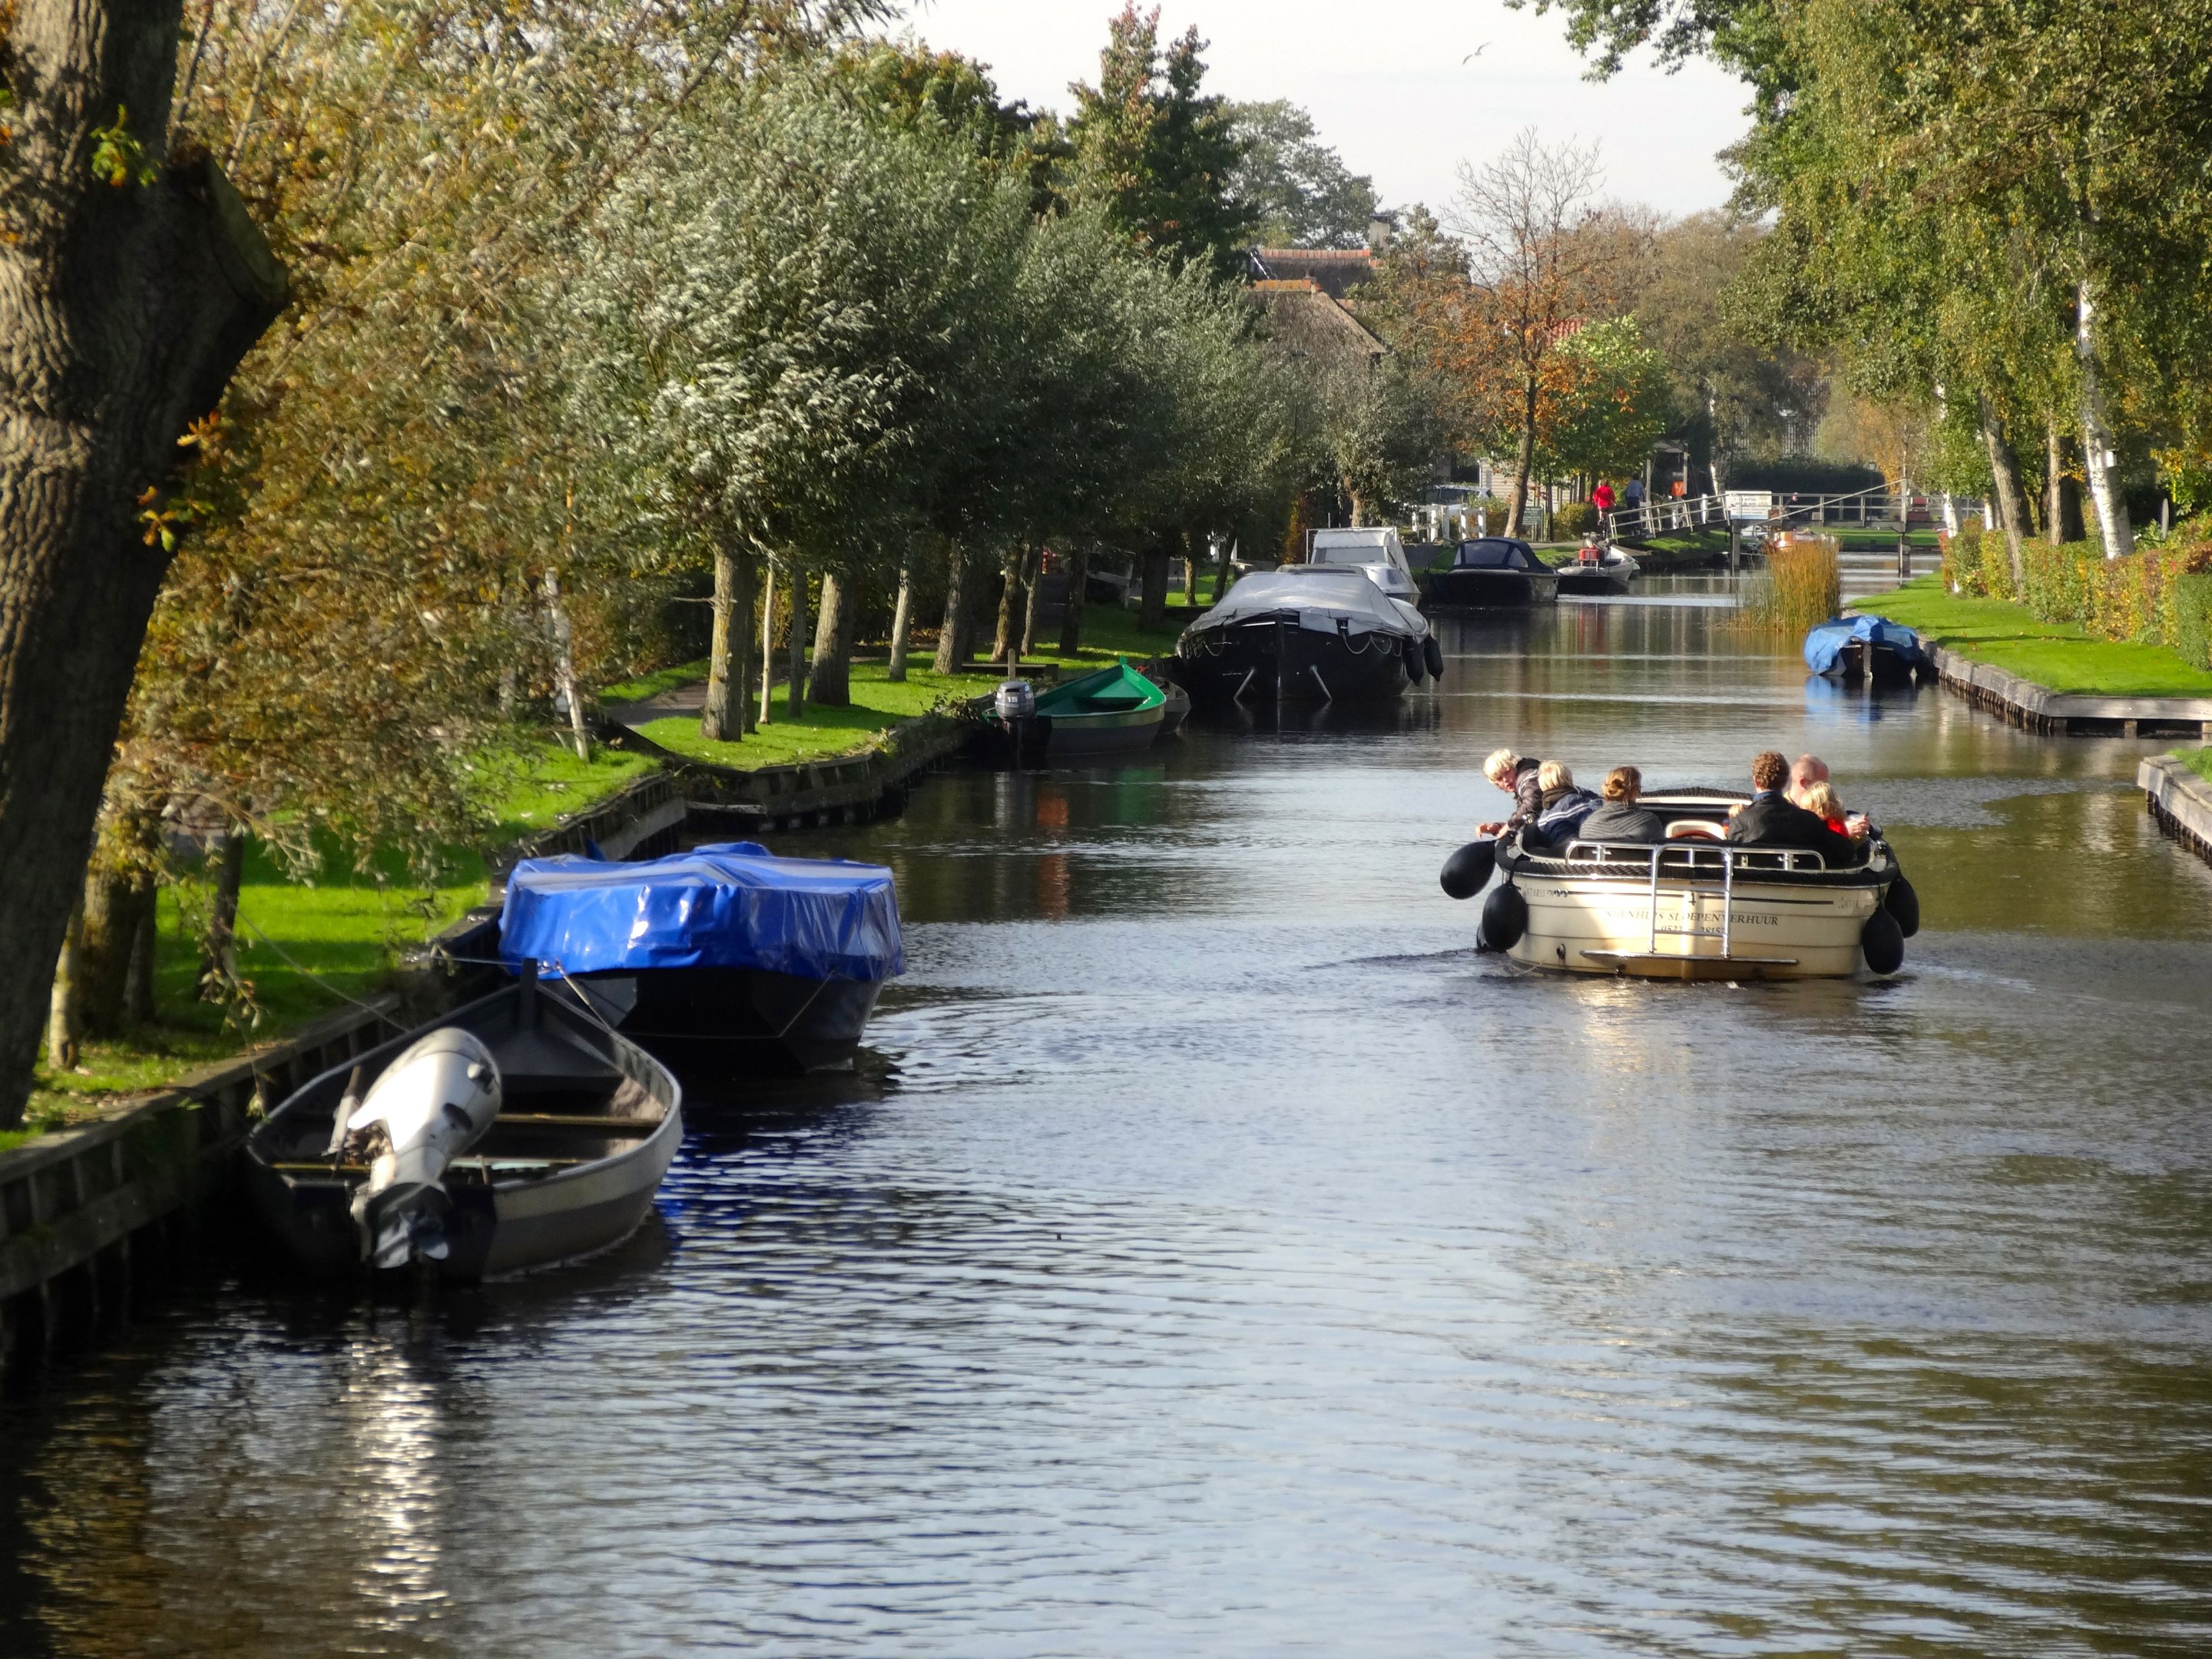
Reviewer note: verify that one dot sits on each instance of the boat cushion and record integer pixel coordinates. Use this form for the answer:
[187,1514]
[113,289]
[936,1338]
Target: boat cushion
[728,905]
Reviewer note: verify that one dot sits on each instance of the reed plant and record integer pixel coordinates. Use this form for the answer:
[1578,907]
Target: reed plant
[1801,586]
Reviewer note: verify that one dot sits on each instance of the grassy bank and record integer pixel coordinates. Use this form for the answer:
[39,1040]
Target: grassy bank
[2059,655]
[2198,760]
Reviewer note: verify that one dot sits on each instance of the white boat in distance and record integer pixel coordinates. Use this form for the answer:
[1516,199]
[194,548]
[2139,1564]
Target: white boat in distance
[1698,906]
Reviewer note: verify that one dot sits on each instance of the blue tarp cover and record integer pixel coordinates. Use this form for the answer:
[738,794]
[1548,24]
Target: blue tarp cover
[730,904]
[1824,646]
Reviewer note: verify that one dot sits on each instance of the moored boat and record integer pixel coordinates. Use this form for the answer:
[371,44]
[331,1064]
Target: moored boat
[1315,632]
[1697,906]
[1600,572]
[1494,571]
[727,961]
[1111,712]
[518,1132]
[1869,648]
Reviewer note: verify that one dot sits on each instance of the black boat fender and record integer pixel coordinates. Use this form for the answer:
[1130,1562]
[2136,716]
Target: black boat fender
[1882,943]
[1903,902]
[1504,919]
[1433,654]
[1466,872]
[1414,662]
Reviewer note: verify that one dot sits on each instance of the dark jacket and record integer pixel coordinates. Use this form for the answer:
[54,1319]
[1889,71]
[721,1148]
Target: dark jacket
[1565,813]
[1775,820]
[1621,820]
[1528,797]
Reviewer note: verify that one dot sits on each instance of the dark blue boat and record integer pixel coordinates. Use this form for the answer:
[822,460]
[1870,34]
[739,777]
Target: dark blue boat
[1869,648]
[725,962]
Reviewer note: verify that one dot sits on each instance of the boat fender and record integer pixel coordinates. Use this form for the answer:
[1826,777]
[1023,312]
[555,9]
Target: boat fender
[1466,872]
[1903,902]
[1504,918]
[1433,654]
[1882,941]
[1414,665]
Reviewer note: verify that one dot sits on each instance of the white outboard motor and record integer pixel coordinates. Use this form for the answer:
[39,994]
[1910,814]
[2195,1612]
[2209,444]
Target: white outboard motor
[432,1104]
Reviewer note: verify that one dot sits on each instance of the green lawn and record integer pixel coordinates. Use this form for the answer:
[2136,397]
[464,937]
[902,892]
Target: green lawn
[2198,760]
[2057,655]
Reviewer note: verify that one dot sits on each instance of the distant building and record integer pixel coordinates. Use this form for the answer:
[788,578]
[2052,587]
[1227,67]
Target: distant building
[1334,272]
[1306,320]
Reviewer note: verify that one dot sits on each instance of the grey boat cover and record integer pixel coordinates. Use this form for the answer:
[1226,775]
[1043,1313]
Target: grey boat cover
[1320,595]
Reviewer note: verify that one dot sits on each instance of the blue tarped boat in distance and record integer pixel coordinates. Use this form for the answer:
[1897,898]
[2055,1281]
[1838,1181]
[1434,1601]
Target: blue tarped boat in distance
[1864,647]
[725,961]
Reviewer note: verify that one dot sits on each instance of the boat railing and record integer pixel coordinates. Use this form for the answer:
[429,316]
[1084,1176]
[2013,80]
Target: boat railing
[1691,859]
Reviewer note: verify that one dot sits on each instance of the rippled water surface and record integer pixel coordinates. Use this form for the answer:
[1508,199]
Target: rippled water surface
[1215,1257]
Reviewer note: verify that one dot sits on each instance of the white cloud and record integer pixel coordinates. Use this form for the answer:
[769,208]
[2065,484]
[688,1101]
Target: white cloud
[1385,83]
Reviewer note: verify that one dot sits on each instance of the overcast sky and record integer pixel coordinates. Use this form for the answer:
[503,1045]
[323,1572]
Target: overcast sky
[1386,86]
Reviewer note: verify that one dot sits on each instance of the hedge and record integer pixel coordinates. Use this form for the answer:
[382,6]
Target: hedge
[2155,596]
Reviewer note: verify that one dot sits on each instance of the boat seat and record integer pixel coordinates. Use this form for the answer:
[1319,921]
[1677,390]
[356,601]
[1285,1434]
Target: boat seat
[1696,829]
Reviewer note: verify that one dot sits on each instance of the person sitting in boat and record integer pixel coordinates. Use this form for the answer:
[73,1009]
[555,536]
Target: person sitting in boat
[1820,801]
[1517,778]
[1809,773]
[1772,819]
[1620,818]
[1564,806]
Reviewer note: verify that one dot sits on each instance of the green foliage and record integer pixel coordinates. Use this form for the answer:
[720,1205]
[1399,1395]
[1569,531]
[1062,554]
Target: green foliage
[1573,519]
[1297,188]
[1799,586]
[117,158]
[1608,403]
[2193,619]
[2056,654]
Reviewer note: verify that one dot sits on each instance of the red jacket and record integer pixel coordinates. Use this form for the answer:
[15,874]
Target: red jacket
[1601,498]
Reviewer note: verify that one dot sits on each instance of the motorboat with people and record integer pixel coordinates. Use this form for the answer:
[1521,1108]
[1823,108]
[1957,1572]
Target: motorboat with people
[1494,571]
[1601,569]
[1872,649]
[1694,906]
[725,961]
[1310,632]
[517,1131]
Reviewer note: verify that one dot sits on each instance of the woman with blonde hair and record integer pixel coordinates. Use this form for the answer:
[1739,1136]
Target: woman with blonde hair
[1620,818]
[1517,778]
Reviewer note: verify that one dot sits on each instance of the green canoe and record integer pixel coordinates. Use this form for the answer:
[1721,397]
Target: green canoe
[1115,709]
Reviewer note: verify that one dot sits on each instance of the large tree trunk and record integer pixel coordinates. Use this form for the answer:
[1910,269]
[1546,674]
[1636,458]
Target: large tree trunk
[2063,514]
[2099,445]
[794,690]
[1010,604]
[1071,616]
[564,666]
[832,681]
[219,949]
[721,720]
[138,979]
[1190,547]
[952,639]
[1524,461]
[1152,603]
[1031,574]
[768,644]
[2012,499]
[901,616]
[64,1034]
[123,310]
[119,892]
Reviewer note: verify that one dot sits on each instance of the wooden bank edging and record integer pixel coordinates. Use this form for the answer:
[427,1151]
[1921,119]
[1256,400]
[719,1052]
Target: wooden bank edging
[2023,702]
[842,789]
[2180,801]
[72,1202]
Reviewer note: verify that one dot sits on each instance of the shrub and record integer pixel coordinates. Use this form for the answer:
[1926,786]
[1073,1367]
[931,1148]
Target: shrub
[1575,518]
[1962,559]
[1801,587]
[2192,618]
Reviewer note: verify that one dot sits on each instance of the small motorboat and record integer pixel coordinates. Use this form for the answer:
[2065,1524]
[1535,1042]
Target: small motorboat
[1869,648]
[1174,711]
[725,961]
[1598,570]
[517,1131]
[1307,632]
[1376,552]
[1112,712]
[1492,571]
[1695,906]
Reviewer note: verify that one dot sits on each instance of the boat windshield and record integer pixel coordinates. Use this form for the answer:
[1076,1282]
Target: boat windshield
[1494,553]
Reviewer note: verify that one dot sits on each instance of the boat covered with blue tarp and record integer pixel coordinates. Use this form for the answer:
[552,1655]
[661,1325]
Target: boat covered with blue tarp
[726,958]
[1864,647]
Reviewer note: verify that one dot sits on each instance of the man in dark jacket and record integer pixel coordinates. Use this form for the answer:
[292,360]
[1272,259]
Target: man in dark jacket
[1773,819]
[1620,818]
[1517,778]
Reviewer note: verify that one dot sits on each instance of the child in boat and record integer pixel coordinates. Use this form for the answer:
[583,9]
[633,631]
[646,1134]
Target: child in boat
[1564,806]
[1819,799]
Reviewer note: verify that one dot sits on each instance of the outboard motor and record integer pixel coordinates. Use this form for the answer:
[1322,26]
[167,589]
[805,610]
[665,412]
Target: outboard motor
[1015,701]
[432,1104]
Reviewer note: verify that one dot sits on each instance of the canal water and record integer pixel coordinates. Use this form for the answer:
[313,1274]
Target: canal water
[1215,1257]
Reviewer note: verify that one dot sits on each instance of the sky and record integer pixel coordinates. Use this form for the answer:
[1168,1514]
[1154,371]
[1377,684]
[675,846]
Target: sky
[1386,85]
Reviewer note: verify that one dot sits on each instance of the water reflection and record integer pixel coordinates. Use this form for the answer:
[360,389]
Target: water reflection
[1214,1256]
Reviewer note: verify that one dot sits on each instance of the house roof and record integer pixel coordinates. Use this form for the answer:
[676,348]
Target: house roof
[1336,271]
[1304,318]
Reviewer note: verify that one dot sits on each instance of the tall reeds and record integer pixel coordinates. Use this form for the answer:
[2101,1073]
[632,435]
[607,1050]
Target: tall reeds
[1801,586]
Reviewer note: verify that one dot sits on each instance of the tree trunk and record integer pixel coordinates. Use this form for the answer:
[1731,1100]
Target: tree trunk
[901,616]
[794,690]
[719,721]
[138,979]
[1190,571]
[2098,446]
[768,643]
[832,681]
[1152,603]
[952,638]
[1071,616]
[564,666]
[2063,511]
[123,310]
[2004,469]
[1525,460]
[1010,602]
[219,951]
[62,1036]
[120,895]
[1034,570]
[1223,574]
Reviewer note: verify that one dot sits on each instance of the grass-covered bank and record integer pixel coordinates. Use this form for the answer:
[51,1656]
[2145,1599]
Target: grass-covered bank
[2057,654]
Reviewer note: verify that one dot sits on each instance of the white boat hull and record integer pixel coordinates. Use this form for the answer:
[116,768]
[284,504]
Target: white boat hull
[1603,925]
